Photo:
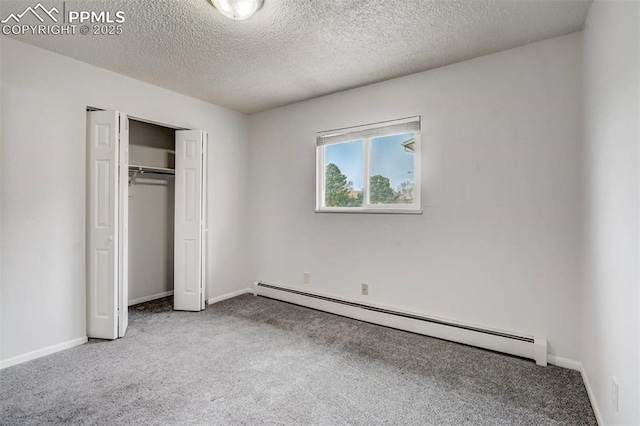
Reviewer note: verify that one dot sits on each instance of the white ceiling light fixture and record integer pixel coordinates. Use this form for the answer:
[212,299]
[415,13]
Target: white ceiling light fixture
[237,9]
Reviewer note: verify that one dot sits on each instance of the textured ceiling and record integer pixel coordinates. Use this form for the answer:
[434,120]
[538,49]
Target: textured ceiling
[298,49]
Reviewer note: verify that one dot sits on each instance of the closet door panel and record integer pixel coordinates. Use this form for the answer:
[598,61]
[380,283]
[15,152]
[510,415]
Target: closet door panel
[188,290]
[123,270]
[102,223]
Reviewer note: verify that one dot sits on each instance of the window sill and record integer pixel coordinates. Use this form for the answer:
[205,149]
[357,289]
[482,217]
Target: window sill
[369,211]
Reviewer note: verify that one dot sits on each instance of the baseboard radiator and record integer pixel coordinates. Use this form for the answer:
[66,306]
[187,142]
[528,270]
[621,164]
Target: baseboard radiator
[534,348]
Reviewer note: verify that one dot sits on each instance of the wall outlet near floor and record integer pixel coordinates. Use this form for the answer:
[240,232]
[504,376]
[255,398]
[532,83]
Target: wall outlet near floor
[306,278]
[365,289]
[614,393]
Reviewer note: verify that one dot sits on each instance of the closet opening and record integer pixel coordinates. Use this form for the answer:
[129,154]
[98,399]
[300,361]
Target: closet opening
[151,216]
[146,219]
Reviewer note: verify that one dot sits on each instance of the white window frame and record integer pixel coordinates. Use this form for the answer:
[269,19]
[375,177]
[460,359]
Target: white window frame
[370,131]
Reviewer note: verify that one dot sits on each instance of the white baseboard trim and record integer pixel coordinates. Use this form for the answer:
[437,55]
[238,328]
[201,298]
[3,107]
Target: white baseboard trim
[559,361]
[230,295]
[150,298]
[576,365]
[592,396]
[470,334]
[9,362]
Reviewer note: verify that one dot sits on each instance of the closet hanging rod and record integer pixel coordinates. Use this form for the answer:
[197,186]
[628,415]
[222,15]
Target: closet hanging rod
[150,169]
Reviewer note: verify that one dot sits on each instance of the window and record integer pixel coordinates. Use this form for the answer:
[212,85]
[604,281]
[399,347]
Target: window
[370,169]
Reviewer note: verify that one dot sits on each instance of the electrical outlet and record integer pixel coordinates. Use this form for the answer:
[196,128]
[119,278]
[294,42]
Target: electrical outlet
[614,393]
[365,289]
[306,278]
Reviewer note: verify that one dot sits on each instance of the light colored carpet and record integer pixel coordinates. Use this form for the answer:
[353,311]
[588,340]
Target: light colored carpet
[251,360]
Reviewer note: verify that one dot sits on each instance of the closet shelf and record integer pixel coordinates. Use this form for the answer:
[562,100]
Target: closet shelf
[149,169]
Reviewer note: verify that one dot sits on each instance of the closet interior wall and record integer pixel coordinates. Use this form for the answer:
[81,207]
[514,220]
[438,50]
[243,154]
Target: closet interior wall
[151,213]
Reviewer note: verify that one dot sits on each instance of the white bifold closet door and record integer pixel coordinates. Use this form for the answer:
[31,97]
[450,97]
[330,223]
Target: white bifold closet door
[103,216]
[190,220]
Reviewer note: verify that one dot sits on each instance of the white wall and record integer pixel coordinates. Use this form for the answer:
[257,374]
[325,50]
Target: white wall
[151,212]
[44,96]
[499,241]
[611,309]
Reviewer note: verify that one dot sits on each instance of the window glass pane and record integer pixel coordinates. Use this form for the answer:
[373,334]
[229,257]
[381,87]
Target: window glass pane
[391,169]
[344,168]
